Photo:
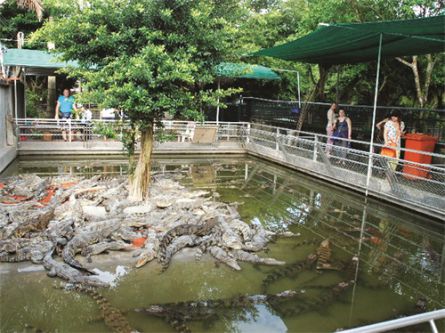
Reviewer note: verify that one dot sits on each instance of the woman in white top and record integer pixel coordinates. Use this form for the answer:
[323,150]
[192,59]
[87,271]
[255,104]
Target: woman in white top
[330,126]
[392,135]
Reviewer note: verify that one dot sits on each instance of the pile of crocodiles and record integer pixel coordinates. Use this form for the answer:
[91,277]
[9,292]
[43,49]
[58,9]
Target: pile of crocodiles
[42,218]
[49,221]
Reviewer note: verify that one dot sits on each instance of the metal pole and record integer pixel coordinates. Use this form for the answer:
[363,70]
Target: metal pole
[15,100]
[299,94]
[217,106]
[24,90]
[371,146]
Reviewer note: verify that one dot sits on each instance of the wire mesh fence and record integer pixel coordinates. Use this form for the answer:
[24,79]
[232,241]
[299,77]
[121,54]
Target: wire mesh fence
[410,182]
[285,114]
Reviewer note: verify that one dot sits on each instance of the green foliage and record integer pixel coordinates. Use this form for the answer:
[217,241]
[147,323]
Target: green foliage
[151,57]
[13,20]
[105,129]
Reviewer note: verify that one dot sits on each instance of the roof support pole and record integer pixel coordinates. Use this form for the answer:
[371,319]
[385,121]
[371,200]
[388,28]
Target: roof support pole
[15,100]
[217,105]
[299,91]
[376,92]
[24,90]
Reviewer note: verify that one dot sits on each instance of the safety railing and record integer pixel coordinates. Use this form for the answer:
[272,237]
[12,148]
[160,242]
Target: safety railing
[69,130]
[347,162]
[387,326]
[350,163]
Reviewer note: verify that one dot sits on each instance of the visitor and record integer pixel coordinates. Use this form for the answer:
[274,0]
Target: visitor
[342,134]
[392,136]
[330,127]
[65,106]
[108,114]
[85,121]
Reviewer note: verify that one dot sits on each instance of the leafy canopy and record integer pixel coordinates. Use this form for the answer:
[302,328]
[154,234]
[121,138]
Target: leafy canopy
[148,56]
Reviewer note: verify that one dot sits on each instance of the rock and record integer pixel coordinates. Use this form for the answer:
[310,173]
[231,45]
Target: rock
[94,212]
[143,209]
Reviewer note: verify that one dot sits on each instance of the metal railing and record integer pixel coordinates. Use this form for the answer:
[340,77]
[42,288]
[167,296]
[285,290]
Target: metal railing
[389,325]
[34,129]
[347,162]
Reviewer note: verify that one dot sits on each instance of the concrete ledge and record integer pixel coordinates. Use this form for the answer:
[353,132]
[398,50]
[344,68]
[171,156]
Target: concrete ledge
[7,155]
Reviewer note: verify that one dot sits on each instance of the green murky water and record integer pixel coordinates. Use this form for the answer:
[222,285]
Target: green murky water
[400,271]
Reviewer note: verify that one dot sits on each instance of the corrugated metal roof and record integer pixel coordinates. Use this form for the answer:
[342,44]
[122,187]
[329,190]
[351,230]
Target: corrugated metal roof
[35,58]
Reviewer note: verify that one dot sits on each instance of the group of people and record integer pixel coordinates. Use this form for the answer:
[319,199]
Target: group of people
[339,132]
[66,109]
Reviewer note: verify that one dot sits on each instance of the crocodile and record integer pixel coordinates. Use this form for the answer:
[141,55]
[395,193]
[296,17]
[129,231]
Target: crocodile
[69,273]
[150,250]
[289,270]
[178,244]
[87,236]
[325,299]
[324,254]
[224,257]
[11,245]
[25,221]
[178,314]
[243,228]
[259,239]
[101,247]
[186,229]
[253,258]
[63,228]
[32,252]
[112,316]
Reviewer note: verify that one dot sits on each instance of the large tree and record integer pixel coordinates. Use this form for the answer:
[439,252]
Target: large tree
[150,57]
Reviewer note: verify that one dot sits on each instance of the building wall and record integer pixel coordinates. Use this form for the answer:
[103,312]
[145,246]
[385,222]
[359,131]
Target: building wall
[8,140]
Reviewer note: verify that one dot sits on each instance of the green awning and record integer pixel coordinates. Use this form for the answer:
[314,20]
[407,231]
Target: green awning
[35,59]
[359,42]
[246,71]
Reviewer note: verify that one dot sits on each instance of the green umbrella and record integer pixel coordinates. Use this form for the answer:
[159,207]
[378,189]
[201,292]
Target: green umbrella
[242,71]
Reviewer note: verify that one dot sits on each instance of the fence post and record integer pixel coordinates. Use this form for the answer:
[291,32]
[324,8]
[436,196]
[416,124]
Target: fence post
[314,156]
[277,146]
[69,130]
[248,133]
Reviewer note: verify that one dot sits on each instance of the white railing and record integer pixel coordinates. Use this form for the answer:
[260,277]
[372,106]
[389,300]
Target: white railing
[34,129]
[390,325]
[417,185]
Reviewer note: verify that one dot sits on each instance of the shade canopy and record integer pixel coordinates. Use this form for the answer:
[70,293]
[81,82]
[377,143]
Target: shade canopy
[37,62]
[359,42]
[245,71]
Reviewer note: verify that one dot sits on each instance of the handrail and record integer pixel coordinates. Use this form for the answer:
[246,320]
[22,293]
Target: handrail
[342,139]
[401,322]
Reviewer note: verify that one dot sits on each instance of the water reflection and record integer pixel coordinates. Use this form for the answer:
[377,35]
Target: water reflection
[398,256]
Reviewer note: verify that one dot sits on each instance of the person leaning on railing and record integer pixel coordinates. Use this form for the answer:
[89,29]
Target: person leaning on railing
[65,106]
[392,135]
[342,134]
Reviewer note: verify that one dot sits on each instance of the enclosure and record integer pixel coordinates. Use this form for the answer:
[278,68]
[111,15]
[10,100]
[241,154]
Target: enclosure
[394,258]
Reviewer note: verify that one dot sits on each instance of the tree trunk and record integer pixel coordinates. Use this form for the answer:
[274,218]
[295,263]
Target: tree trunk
[140,180]
[422,94]
[318,91]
